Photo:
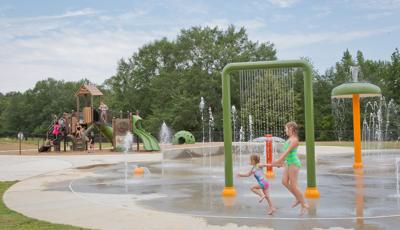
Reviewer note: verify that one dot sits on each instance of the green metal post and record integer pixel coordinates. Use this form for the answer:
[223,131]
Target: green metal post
[309,128]
[229,190]
[226,104]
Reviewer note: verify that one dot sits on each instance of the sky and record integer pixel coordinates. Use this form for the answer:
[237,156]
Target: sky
[74,39]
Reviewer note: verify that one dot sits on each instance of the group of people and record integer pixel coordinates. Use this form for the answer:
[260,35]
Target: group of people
[292,164]
[89,138]
[58,130]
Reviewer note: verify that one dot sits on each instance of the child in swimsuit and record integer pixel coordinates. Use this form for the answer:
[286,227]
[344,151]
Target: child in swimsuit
[262,183]
[291,158]
[292,164]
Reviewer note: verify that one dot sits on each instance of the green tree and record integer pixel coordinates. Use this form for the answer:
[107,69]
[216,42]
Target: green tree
[33,110]
[165,79]
[393,77]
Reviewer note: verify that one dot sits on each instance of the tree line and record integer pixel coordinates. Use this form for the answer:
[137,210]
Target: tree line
[165,79]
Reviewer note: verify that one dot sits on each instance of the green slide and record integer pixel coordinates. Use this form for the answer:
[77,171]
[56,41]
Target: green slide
[106,130]
[149,142]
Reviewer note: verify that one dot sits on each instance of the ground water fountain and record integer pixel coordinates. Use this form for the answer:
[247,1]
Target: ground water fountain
[380,122]
[128,140]
[234,120]
[251,131]
[339,111]
[165,134]
[201,107]
[241,140]
[211,125]
[234,123]
[355,90]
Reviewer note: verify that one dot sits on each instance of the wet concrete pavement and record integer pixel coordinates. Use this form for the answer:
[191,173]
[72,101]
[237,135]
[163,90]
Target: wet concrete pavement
[351,199]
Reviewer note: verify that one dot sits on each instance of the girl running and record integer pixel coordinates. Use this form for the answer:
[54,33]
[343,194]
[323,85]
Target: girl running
[262,183]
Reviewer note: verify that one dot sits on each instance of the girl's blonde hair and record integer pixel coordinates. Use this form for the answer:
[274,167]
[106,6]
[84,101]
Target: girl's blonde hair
[292,126]
[255,158]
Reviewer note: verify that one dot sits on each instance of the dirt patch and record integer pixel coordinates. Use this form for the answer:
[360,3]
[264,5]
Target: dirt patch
[4,146]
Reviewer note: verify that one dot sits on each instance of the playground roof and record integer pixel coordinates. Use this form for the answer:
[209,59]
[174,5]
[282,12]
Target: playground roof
[88,89]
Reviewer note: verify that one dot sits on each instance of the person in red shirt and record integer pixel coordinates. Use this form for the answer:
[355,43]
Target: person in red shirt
[56,130]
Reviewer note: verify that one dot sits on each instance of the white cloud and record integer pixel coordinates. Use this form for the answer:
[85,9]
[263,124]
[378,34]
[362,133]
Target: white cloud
[281,17]
[283,3]
[374,16]
[69,54]
[76,13]
[36,26]
[130,15]
[294,40]
[5,9]
[220,23]
[321,11]
[251,24]
[377,4]
[67,14]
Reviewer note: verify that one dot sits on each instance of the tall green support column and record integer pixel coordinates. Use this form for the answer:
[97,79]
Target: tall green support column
[229,190]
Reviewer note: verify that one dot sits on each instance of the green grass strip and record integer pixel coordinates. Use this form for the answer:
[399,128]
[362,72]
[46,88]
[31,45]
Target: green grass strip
[13,220]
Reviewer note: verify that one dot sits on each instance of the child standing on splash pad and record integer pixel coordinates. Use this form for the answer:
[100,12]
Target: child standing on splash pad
[292,164]
[262,183]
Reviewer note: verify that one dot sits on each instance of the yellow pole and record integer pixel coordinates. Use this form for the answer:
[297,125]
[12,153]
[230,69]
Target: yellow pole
[357,131]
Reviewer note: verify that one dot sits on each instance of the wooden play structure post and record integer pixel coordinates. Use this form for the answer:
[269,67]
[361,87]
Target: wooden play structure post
[77,104]
[268,156]
[100,140]
[114,131]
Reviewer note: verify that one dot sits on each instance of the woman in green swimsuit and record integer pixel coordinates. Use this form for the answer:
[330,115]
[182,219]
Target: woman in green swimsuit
[292,164]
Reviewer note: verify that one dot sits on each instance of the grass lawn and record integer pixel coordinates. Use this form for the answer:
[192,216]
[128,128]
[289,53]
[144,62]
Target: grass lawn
[29,141]
[13,220]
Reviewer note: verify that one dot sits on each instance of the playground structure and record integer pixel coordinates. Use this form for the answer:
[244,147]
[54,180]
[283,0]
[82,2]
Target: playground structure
[229,190]
[89,118]
[355,90]
[183,137]
[149,142]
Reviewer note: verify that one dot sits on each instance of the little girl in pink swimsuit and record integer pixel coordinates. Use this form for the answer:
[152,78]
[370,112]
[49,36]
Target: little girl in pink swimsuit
[262,183]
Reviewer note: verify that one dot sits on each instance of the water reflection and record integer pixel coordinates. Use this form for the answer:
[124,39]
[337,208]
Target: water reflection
[359,198]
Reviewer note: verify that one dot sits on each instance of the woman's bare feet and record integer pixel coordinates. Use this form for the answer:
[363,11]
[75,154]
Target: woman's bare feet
[295,203]
[271,211]
[304,208]
[261,199]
